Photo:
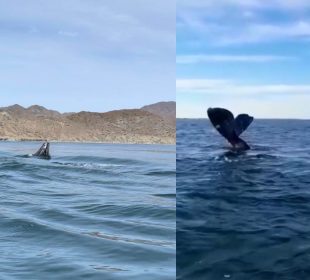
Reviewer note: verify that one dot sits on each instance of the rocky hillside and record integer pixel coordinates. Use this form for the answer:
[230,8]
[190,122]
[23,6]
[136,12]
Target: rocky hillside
[122,126]
[166,110]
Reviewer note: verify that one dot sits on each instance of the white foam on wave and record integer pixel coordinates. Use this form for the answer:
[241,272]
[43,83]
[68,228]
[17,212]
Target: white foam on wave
[90,166]
[228,159]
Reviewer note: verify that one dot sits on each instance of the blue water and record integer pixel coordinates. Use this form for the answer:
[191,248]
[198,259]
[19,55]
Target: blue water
[93,211]
[243,216]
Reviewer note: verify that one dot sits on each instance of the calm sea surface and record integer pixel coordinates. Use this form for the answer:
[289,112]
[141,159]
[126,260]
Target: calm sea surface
[94,211]
[243,216]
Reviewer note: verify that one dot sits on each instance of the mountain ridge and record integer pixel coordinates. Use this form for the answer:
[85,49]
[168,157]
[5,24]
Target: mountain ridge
[119,126]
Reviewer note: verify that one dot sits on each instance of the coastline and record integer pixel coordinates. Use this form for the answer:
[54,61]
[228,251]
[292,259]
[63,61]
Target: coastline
[127,126]
[88,142]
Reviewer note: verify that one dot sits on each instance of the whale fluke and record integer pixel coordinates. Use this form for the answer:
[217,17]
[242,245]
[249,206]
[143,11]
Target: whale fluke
[229,127]
[242,122]
[44,151]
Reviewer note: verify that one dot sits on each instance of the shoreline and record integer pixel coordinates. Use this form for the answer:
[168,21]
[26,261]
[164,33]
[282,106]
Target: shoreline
[84,142]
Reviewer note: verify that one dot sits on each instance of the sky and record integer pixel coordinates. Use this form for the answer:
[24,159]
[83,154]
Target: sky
[248,56]
[90,55]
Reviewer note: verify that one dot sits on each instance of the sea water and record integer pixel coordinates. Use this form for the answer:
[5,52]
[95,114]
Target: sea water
[94,211]
[243,215]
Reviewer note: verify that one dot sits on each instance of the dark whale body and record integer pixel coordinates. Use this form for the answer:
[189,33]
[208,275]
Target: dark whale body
[44,151]
[229,127]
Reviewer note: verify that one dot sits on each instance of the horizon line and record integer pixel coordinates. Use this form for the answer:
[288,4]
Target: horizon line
[269,118]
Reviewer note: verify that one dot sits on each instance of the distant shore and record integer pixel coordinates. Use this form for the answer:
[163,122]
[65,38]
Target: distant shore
[152,124]
[85,142]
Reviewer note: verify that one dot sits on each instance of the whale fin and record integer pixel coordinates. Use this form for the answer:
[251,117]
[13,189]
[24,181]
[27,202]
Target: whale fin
[43,152]
[224,122]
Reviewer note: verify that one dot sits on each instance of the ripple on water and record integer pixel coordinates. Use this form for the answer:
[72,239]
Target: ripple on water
[243,215]
[91,212]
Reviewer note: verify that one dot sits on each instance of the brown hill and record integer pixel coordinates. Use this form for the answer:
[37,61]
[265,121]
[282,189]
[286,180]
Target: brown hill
[30,112]
[166,110]
[122,126]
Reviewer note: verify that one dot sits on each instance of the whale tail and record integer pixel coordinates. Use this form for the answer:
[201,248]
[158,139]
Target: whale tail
[229,127]
[44,151]
[242,122]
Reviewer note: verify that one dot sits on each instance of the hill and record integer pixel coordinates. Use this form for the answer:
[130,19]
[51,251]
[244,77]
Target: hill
[166,110]
[121,126]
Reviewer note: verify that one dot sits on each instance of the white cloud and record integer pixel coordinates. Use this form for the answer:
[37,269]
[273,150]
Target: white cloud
[137,26]
[194,96]
[215,3]
[56,53]
[284,107]
[237,22]
[254,4]
[260,32]
[200,85]
[249,32]
[228,87]
[216,31]
[192,59]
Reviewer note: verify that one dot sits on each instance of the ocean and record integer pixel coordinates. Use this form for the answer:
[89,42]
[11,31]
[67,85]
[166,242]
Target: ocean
[243,216]
[94,211]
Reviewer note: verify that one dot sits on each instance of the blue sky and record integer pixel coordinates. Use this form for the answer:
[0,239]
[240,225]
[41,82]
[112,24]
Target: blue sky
[249,56]
[92,55]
